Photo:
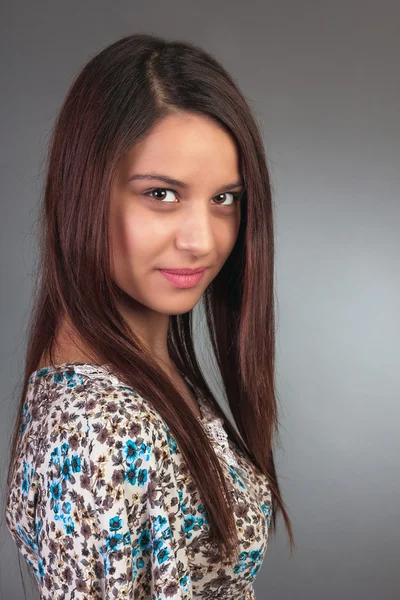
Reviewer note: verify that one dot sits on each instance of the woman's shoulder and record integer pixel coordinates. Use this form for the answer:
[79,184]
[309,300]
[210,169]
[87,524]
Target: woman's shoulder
[85,404]
[71,386]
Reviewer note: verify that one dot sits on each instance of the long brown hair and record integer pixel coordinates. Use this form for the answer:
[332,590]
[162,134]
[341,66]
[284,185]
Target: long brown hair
[113,102]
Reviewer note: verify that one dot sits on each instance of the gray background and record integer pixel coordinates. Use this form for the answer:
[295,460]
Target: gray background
[323,80]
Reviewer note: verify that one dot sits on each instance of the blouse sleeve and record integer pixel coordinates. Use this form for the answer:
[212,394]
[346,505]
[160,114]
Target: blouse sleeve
[109,520]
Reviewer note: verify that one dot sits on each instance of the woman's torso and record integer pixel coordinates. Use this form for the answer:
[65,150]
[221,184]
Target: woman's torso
[55,397]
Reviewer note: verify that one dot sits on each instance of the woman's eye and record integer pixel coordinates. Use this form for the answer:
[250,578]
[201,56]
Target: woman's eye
[235,196]
[156,191]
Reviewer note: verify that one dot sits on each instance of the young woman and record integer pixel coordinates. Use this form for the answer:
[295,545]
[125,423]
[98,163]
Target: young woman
[126,478]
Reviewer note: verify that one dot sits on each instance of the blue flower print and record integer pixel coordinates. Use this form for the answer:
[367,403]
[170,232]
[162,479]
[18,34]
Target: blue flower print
[106,560]
[255,557]
[267,510]
[113,541]
[26,417]
[172,443]
[189,523]
[144,540]
[66,469]
[145,451]
[42,372]
[184,583]
[64,449]
[162,555]
[58,377]
[202,520]
[55,457]
[235,476]
[162,527]
[27,477]
[126,538]
[251,559]
[239,568]
[130,475]
[66,507]
[31,543]
[115,523]
[40,568]
[159,523]
[56,489]
[130,452]
[69,525]
[73,378]
[166,533]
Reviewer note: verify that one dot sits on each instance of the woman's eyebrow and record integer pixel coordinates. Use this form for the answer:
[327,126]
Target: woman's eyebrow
[178,183]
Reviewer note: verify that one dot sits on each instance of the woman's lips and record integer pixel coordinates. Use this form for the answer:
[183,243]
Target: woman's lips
[185,271]
[182,281]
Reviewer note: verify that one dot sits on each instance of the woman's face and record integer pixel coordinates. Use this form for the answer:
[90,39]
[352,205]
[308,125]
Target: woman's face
[191,225]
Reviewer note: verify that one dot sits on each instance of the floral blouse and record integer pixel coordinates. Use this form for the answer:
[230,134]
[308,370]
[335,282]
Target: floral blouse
[103,506]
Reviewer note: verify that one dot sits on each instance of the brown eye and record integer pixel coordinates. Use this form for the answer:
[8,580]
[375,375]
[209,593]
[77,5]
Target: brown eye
[235,195]
[156,191]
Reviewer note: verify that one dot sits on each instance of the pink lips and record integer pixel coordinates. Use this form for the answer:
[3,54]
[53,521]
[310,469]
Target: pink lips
[180,279]
[185,271]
